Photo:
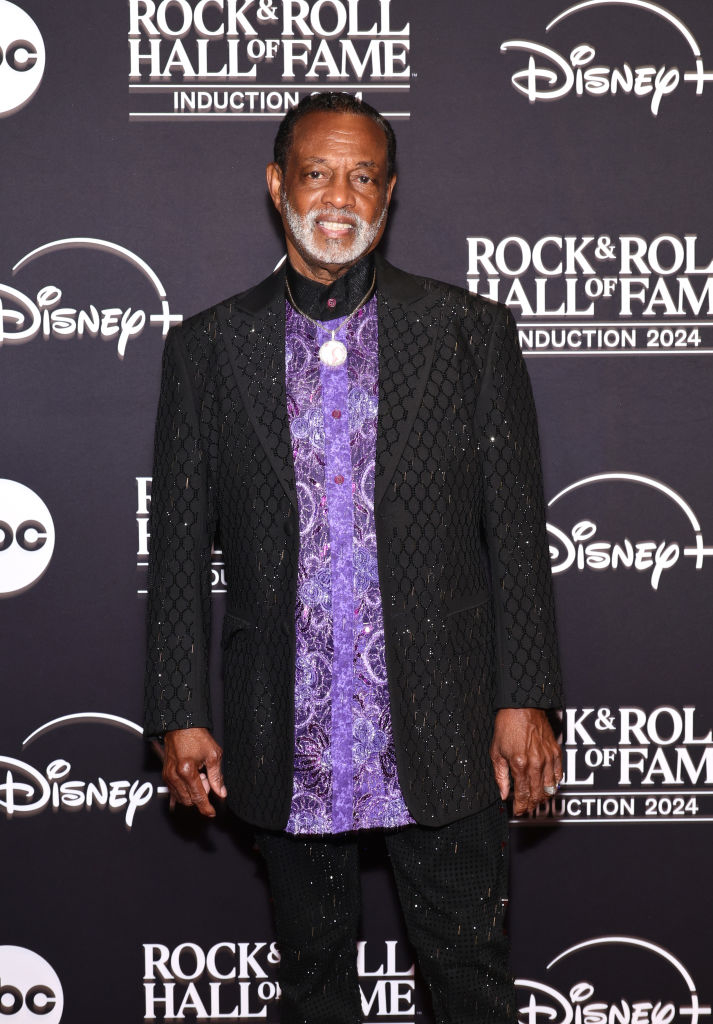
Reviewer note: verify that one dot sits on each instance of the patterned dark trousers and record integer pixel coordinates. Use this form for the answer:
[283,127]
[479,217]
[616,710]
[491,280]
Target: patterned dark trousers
[451,883]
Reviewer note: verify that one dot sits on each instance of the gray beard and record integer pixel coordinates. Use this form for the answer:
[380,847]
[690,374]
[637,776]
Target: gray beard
[331,250]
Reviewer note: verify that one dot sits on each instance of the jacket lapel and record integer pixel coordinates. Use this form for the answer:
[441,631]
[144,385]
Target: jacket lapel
[408,330]
[256,346]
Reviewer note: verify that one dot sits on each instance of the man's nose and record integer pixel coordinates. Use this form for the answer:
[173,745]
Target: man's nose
[338,191]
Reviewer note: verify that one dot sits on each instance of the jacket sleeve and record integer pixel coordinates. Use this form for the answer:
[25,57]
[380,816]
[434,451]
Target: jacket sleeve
[514,513]
[177,693]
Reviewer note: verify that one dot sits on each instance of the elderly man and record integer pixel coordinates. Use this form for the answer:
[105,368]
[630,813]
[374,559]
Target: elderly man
[364,444]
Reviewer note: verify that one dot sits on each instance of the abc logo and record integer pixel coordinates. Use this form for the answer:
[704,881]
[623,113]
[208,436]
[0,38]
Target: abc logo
[26,540]
[22,58]
[30,991]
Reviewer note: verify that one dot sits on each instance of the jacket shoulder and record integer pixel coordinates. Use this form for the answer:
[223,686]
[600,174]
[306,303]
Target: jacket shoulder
[205,322]
[470,304]
[198,335]
[459,302]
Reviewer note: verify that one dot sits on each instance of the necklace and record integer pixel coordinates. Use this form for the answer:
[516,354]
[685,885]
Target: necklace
[331,352]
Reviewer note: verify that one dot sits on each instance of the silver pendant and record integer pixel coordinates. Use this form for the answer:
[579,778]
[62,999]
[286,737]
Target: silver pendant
[333,353]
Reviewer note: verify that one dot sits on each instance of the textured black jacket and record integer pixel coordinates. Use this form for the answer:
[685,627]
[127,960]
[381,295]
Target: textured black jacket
[462,551]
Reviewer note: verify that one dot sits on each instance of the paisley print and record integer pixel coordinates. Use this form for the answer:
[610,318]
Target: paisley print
[344,765]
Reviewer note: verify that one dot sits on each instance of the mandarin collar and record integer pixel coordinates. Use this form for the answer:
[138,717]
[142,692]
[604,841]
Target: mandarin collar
[330,301]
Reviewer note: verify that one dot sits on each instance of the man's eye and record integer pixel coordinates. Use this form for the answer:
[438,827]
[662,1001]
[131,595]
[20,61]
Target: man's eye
[314,174]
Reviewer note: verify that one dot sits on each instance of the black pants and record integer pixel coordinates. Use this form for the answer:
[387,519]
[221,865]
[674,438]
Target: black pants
[451,883]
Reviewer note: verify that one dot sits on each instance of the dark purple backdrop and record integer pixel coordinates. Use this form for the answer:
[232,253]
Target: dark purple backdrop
[522,174]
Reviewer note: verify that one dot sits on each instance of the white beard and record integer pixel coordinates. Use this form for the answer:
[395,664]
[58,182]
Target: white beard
[331,250]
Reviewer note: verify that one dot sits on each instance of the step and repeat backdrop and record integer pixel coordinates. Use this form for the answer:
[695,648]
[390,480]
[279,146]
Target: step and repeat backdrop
[555,156]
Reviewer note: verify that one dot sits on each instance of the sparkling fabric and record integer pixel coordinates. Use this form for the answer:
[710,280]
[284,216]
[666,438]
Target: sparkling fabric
[464,572]
[452,884]
[345,769]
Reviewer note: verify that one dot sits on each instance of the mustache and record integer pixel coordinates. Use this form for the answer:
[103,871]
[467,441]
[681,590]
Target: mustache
[344,218]
[329,213]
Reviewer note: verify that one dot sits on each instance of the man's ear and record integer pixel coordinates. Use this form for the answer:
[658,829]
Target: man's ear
[390,188]
[274,184]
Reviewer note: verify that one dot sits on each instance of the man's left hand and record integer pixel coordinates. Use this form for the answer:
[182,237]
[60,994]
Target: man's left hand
[524,746]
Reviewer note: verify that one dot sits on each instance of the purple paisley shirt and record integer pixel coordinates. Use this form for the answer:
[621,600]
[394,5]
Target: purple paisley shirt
[344,765]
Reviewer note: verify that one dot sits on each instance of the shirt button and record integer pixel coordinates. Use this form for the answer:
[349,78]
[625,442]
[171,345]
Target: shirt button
[331,303]
[337,413]
[339,479]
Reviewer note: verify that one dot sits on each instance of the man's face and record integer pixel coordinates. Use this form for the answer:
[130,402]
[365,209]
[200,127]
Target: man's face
[334,195]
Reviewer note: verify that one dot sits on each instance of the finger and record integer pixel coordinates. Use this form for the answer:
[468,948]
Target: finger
[215,778]
[521,794]
[502,775]
[552,774]
[199,797]
[176,787]
[549,774]
[521,789]
[537,766]
[190,790]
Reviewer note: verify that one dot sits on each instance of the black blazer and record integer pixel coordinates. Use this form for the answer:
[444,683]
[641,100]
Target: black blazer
[461,544]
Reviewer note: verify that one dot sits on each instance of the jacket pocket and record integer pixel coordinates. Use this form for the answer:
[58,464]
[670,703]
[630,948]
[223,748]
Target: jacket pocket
[470,623]
[234,626]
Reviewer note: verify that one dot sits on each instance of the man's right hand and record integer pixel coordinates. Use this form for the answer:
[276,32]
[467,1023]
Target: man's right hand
[191,768]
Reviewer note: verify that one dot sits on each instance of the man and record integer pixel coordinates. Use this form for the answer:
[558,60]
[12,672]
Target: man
[364,444]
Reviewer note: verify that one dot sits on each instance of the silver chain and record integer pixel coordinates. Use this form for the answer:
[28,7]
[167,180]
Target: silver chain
[318,323]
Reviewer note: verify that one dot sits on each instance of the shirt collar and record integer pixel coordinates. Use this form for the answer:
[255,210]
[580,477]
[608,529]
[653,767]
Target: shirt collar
[330,301]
